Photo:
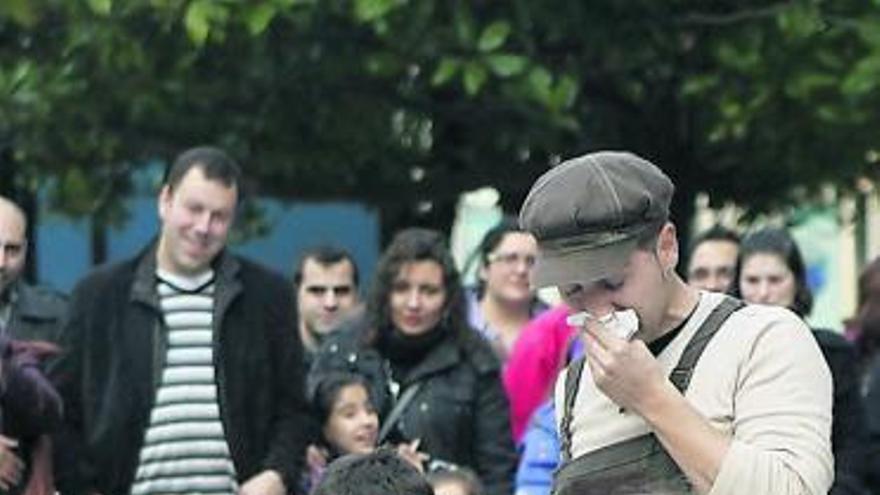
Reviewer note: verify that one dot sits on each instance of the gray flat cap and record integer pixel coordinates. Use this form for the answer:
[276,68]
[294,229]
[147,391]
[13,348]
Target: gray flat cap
[587,214]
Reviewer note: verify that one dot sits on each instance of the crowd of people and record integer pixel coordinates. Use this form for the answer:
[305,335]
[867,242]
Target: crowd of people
[189,369]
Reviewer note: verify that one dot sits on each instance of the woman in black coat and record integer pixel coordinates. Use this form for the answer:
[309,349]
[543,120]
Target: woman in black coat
[434,380]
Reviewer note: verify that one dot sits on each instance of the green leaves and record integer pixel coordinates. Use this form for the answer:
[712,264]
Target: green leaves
[259,17]
[101,7]
[484,58]
[801,20]
[556,94]
[304,83]
[211,18]
[699,85]
[464,24]
[475,75]
[493,36]
[864,78]
[506,64]
[445,71]
[373,10]
[198,19]
[23,12]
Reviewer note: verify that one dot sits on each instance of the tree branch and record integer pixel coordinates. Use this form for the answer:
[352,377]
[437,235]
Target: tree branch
[726,19]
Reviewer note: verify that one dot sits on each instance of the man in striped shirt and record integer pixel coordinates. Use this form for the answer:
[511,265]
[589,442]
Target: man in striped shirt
[183,372]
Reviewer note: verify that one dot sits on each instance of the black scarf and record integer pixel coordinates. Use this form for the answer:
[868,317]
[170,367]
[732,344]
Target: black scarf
[406,351]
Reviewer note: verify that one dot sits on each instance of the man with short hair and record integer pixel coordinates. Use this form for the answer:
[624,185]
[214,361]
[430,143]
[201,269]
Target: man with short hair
[713,259]
[30,320]
[182,371]
[26,312]
[681,390]
[326,284]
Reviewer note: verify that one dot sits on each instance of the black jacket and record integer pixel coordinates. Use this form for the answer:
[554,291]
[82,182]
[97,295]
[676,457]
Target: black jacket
[37,314]
[460,412]
[114,352]
[849,441]
[872,406]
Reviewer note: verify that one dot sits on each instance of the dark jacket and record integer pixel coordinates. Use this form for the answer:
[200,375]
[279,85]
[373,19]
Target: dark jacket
[38,313]
[848,428]
[114,351]
[872,406]
[460,412]
[31,406]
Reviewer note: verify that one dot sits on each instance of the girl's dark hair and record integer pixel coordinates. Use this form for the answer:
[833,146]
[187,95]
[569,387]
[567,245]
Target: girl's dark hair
[779,242]
[327,389]
[409,246]
[491,240]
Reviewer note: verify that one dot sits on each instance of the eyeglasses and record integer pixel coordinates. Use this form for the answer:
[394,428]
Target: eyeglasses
[512,259]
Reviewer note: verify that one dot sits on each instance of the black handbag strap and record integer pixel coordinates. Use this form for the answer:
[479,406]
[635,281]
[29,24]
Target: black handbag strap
[680,375]
[398,410]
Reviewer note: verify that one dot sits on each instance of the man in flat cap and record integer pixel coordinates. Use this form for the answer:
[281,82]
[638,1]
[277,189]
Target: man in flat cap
[683,390]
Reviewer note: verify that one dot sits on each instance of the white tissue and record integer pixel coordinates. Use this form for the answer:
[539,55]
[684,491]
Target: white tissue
[623,324]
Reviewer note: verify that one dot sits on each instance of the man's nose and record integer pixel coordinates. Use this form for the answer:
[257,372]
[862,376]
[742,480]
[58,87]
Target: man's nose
[330,299]
[717,283]
[763,290]
[203,223]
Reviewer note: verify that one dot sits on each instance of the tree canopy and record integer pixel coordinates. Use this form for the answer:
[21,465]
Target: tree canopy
[403,104]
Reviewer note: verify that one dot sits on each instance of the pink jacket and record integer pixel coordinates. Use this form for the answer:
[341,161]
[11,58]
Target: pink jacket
[534,362]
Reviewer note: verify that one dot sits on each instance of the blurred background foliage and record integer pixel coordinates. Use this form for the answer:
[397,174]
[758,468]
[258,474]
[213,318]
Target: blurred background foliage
[403,104]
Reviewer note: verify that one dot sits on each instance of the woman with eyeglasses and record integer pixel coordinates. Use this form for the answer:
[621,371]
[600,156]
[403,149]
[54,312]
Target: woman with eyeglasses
[502,303]
[435,381]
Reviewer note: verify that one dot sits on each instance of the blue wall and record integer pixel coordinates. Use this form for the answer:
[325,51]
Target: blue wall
[63,247]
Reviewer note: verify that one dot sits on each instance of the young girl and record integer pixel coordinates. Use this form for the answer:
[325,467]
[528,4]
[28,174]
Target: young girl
[349,423]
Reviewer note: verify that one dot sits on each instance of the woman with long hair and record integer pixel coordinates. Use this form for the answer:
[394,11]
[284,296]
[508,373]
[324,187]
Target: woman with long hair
[434,379]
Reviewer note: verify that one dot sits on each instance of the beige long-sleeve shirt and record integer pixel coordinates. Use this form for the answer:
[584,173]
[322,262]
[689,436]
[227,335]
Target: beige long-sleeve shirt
[761,380]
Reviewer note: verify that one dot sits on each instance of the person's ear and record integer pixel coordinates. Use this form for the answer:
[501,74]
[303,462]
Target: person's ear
[483,272]
[667,248]
[164,200]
